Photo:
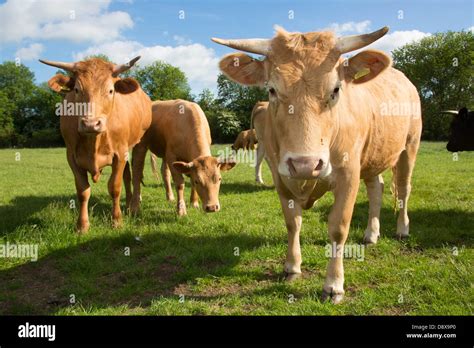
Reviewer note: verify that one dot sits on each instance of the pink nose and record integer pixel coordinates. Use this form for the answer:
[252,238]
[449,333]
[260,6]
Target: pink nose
[92,125]
[304,167]
[212,208]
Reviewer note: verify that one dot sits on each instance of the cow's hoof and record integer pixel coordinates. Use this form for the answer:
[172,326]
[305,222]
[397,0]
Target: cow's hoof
[182,212]
[170,199]
[82,228]
[290,277]
[259,181]
[335,298]
[195,205]
[117,223]
[402,236]
[370,237]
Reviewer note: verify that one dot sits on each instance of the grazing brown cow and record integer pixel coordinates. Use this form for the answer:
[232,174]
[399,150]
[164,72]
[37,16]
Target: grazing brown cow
[104,117]
[246,140]
[180,135]
[259,113]
[331,122]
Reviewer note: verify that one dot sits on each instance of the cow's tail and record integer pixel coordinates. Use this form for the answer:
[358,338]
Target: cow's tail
[153,166]
[394,189]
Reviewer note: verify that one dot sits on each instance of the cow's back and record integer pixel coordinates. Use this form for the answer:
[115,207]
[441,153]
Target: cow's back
[382,116]
[258,119]
[181,128]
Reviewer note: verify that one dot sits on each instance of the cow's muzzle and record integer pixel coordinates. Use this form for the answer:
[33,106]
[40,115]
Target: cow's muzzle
[92,125]
[212,208]
[304,167]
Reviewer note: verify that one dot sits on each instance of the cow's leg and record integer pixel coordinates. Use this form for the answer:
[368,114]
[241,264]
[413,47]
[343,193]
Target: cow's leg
[166,174]
[258,166]
[115,187]
[345,194]
[179,183]
[83,190]
[292,212]
[127,179]
[138,162]
[375,193]
[194,201]
[403,172]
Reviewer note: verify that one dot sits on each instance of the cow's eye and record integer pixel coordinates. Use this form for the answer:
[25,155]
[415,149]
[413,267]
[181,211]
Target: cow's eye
[196,182]
[76,90]
[111,91]
[335,92]
[272,91]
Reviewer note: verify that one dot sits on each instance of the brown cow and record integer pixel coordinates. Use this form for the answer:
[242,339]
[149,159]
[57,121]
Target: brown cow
[180,135]
[259,113]
[246,140]
[331,122]
[108,115]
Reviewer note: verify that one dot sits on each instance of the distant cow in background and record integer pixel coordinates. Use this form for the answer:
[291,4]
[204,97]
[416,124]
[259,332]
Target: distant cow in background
[104,117]
[461,137]
[246,140]
[259,113]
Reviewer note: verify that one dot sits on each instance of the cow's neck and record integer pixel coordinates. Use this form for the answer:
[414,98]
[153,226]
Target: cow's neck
[94,153]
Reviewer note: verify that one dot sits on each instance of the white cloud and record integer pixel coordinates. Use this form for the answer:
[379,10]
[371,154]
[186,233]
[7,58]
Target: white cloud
[388,43]
[74,20]
[471,29]
[198,62]
[31,52]
[349,27]
[181,40]
[397,39]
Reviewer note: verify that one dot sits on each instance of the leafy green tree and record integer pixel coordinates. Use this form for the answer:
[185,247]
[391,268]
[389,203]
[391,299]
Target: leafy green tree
[16,86]
[42,122]
[222,123]
[239,99]
[7,130]
[162,81]
[441,67]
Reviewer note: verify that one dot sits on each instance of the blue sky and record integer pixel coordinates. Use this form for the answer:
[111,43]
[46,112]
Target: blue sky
[71,29]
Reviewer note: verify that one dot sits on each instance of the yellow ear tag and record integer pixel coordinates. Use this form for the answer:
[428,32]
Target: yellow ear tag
[361,73]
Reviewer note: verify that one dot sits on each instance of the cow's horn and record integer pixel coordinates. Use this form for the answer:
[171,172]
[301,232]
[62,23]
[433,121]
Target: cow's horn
[61,65]
[452,112]
[354,42]
[120,68]
[259,46]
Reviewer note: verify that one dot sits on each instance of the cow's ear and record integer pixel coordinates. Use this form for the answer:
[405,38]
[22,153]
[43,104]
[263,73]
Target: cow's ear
[61,83]
[365,66]
[225,165]
[243,69]
[126,86]
[183,167]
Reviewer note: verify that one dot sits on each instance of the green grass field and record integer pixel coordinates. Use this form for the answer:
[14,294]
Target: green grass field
[190,265]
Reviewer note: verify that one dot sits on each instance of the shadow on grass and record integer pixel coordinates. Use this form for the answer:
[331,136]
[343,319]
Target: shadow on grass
[244,187]
[100,275]
[428,228]
[24,210]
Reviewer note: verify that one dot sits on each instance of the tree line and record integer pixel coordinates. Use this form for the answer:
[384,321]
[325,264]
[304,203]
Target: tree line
[440,66]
